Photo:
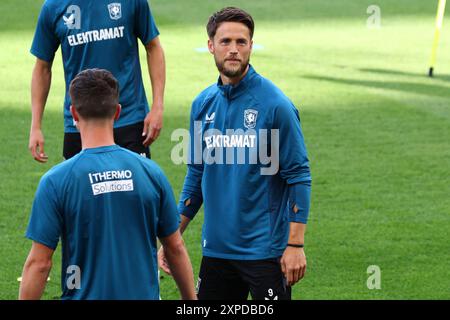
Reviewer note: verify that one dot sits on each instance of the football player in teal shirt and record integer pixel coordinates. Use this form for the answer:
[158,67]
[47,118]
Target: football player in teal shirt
[108,205]
[99,34]
[256,207]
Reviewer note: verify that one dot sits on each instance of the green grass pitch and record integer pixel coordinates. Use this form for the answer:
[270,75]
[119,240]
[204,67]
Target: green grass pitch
[376,128]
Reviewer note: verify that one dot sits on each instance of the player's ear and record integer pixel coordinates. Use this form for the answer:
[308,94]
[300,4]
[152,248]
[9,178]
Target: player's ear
[118,110]
[74,113]
[211,46]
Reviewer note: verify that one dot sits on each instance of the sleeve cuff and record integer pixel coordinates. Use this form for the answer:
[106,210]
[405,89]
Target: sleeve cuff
[42,56]
[47,243]
[299,197]
[168,231]
[189,210]
[147,40]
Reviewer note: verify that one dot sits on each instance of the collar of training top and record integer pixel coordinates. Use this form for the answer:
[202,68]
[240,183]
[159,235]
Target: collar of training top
[233,91]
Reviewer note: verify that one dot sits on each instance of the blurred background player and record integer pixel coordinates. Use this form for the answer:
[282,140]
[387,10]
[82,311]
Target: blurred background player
[99,34]
[254,224]
[108,205]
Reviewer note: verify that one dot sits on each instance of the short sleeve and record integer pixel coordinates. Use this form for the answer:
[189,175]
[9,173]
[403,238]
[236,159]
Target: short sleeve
[45,42]
[45,223]
[169,220]
[145,26]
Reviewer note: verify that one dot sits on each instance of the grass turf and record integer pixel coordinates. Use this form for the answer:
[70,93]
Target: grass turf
[377,131]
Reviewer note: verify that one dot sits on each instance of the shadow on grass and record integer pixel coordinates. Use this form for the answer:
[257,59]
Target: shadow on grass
[15,156]
[353,172]
[438,76]
[23,15]
[433,90]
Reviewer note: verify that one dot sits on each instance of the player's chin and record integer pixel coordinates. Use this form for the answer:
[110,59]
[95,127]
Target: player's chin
[233,71]
[233,64]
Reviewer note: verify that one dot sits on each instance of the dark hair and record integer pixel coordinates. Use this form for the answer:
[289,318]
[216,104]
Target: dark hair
[229,14]
[95,94]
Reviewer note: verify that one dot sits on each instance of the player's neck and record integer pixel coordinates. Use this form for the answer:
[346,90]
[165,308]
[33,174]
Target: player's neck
[94,135]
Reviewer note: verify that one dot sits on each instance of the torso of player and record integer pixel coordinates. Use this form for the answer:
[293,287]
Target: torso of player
[111,213]
[241,184]
[99,34]
[236,125]
[94,29]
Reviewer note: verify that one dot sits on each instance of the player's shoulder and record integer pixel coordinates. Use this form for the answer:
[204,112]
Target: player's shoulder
[268,93]
[203,97]
[53,5]
[138,3]
[141,2]
[61,172]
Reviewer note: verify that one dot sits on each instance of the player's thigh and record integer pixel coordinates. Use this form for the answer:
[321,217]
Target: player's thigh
[266,280]
[72,144]
[130,137]
[218,280]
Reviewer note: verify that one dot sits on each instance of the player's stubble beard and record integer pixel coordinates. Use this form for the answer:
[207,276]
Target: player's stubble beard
[229,72]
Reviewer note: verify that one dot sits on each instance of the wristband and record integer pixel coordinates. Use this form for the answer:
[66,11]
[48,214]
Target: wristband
[296,245]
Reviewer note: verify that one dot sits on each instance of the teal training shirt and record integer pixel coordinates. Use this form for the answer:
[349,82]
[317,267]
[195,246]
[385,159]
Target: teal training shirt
[98,34]
[108,205]
[248,200]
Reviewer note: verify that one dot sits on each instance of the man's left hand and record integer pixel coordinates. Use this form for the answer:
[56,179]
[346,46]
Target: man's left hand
[293,264]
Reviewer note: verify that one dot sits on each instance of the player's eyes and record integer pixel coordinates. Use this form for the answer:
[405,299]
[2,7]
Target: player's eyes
[239,42]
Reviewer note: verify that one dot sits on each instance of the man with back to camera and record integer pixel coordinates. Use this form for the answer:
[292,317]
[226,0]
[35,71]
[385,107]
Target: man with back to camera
[108,205]
[255,215]
[99,34]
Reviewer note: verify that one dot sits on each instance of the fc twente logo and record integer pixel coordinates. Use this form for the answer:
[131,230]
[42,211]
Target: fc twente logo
[250,116]
[115,10]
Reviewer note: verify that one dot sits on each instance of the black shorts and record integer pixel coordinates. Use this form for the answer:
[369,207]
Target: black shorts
[223,279]
[129,137]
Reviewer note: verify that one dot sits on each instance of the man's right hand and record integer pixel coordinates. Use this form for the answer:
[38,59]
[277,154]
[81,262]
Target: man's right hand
[36,145]
[40,87]
[163,262]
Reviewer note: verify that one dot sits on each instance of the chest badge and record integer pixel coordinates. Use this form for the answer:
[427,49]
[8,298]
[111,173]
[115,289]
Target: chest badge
[115,10]
[250,116]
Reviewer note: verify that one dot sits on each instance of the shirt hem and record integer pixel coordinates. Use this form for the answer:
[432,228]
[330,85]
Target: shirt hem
[273,254]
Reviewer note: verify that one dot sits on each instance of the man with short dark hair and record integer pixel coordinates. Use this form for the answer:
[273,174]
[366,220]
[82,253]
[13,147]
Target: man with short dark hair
[108,205]
[255,210]
[99,34]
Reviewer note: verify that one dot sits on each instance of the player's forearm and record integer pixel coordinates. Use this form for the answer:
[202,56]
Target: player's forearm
[34,278]
[184,223]
[299,199]
[297,233]
[191,198]
[40,87]
[181,269]
[157,71]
